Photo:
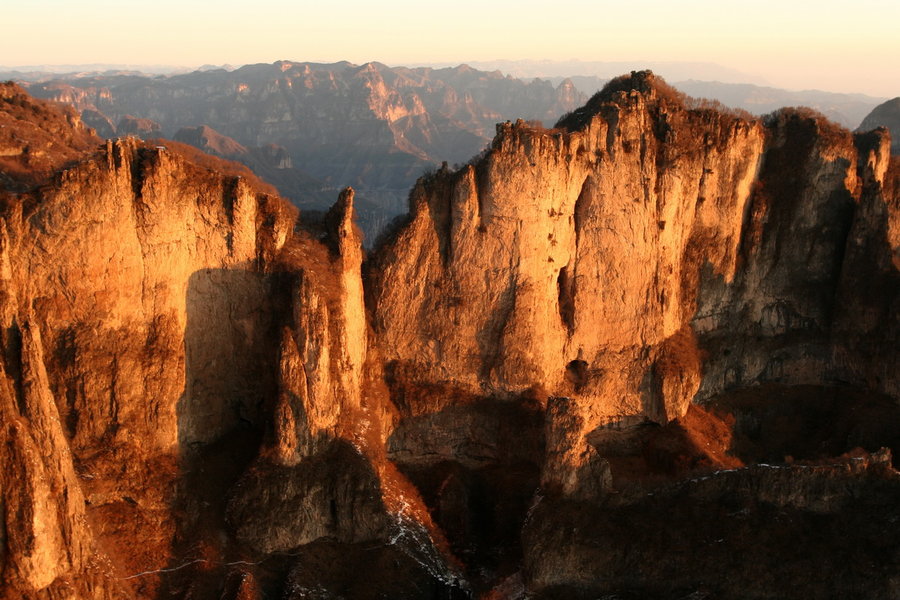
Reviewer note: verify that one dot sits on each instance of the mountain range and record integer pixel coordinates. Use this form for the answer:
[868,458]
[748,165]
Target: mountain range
[311,128]
[371,126]
[648,352]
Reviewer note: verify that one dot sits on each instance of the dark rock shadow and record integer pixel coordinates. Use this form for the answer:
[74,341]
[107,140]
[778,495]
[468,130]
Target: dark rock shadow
[230,365]
[831,290]
[476,461]
[245,520]
[231,352]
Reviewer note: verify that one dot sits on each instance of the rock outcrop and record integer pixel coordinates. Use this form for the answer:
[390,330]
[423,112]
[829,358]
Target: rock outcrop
[154,312]
[588,357]
[886,115]
[639,256]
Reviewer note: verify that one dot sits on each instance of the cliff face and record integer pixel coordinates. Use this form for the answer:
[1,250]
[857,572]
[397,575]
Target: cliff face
[140,329]
[639,256]
[204,396]
[155,312]
[584,237]
[887,115]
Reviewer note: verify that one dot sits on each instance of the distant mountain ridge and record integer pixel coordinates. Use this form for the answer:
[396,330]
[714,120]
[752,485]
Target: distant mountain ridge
[885,115]
[310,128]
[845,109]
[371,126]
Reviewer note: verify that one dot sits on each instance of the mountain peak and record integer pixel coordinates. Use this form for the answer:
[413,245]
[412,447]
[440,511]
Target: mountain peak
[645,83]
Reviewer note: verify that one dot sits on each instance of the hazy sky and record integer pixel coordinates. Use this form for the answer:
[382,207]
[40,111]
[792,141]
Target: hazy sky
[795,44]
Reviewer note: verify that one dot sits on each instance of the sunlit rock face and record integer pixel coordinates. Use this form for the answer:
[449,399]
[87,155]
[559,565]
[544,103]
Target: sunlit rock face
[644,335]
[180,362]
[636,257]
[571,259]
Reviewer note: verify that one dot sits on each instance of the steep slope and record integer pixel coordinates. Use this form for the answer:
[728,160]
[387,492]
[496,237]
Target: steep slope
[885,115]
[35,139]
[164,327]
[616,272]
[569,260]
[611,358]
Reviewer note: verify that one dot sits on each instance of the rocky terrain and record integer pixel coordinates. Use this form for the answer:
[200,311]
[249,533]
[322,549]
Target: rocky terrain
[885,115]
[648,353]
[846,109]
[371,126]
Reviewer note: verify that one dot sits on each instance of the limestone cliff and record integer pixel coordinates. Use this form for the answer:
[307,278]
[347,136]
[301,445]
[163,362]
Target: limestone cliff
[639,256]
[136,281]
[155,310]
[593,354]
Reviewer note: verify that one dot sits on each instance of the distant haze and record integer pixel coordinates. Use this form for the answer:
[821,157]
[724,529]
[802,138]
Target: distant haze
[804,44]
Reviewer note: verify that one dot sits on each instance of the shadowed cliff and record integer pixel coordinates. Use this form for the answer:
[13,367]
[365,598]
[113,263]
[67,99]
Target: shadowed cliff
[604,358]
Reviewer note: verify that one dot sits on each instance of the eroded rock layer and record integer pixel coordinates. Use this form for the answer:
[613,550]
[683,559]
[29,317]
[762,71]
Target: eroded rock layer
[594,354]
[643,255]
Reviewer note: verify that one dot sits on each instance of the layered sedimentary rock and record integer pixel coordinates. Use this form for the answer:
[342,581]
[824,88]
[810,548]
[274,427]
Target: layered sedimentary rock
[639,256]
[154,309]
[591,352]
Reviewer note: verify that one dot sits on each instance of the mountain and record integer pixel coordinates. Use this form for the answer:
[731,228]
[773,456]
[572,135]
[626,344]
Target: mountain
[700,80]
[671,70]
[371,126]
[271,162]
[648,352]
[846,109]
[885,115]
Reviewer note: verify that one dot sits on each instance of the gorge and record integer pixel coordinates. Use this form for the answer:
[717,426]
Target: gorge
[650,352]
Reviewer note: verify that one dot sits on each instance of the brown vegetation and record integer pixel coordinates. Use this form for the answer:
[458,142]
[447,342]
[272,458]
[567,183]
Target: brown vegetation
[37,139]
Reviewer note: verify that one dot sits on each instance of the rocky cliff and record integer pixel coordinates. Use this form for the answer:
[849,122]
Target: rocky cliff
[886,115]
[371,126]
[164,327]
[641,256]
[650,333]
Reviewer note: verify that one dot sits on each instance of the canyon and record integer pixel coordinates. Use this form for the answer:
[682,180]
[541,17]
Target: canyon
[310,127]
[650,352]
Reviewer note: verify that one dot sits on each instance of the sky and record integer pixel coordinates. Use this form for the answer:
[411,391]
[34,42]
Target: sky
[793,44]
